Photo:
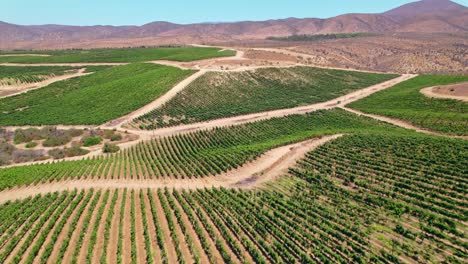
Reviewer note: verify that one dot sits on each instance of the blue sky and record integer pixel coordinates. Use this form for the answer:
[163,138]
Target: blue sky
[138,12]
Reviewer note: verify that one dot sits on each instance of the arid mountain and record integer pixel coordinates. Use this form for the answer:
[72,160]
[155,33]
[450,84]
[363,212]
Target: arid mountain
[422,16]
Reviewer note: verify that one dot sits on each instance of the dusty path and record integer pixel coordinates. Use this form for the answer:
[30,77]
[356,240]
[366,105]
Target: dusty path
[25,55]
[236,120]
[78,64]
[267,167]
[117,123]
[400,123]
[457,91]
[11,90]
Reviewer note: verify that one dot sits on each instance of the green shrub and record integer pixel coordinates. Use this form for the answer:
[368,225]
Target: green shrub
[116,137]
[91,141]
[110,148]
[59,140]
[57,153]
[67,152]
[31,144]
[26,135]
[75,151]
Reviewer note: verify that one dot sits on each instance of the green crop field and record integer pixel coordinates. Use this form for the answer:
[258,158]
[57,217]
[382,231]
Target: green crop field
[364,198]
[93,99]
[117,55]
[404,101]
[12,75]
[216,95]
[198,154]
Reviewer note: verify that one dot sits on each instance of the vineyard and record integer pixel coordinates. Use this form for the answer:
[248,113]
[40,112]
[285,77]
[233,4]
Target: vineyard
[117,55]
[197,154]
[320,186]
[223,94]
[411,191]
[405,101]
[13,75]
[93,99]
[362,198]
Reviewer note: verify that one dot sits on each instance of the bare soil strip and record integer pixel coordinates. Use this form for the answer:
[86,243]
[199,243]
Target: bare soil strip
[400,123]
[236,120]
[267,167]
[182,242]
[98,247]
[126,239]
[140,242]
[457,91]
[25,55]
[156,103]
[62,232]
[64,64]
[114,232]
[86,241]
[74,238]
[218,234]
[191,231]
[155,251]
[169,244]
[12,90]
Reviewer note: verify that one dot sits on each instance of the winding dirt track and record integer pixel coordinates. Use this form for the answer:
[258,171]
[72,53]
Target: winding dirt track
[117,123]
[236,120]
[400,123]
[223,122]
[26,87]
[271,164]
[64,64]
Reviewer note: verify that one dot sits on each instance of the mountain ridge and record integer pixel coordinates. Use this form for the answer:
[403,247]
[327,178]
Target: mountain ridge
[421,16]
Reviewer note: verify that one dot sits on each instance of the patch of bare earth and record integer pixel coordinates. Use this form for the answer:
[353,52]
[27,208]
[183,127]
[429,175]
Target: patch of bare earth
[155,250]
[171,254]
[111,254]
[86,241]
[195,239]
[457,91]
[60,238]
[140,238]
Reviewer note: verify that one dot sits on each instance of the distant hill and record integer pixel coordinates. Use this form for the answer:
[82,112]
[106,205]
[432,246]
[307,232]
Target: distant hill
[422,16]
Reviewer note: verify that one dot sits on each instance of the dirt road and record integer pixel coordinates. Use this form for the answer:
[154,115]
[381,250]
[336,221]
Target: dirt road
[236,120]
[11,90]
[400,123]
[64,64]
[117,123]
[270,165]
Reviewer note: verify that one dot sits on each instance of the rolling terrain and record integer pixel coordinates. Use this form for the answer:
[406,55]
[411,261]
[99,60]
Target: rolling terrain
[253,151]
[423,16]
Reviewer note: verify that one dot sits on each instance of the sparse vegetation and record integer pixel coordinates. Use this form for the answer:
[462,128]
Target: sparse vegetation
[110,148]
[321,37]
[91,141]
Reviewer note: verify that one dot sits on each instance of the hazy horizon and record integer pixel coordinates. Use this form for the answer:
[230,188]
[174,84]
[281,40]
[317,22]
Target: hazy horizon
[27,12]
